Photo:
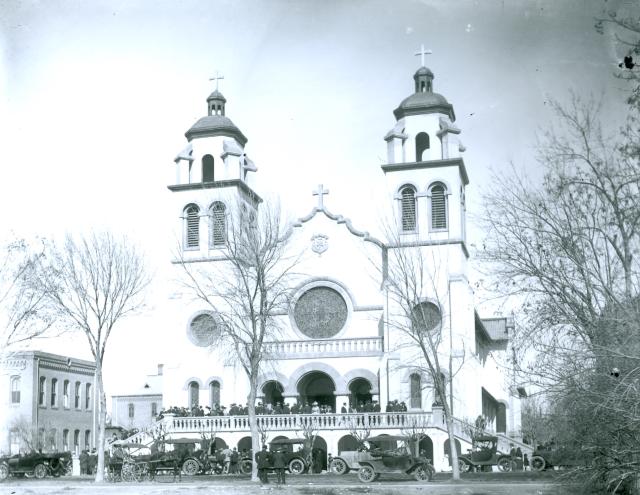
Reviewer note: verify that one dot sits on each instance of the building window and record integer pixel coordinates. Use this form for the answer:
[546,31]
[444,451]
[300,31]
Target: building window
[218,231]
[76,397]
[14,441]
[438,207]
[76,441]
[42,391]
[207,168]
[87,439]
[416,391]
[192,226]
[65,440]
[154,409]
[87,396]
[408,209]
[422,145]
[15,390]
[65,394]
[194,394]
[132,411]
[214,393]
[54,392]
[53,439]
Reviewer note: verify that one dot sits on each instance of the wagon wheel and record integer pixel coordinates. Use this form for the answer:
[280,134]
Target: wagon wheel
[128,472]
[245,466]
[4,471]
[40,471]
[504,464]
[296,466]
[339,466]
[190,467]
[366,474]
[140,471]
[421,473]
[538,463]
[463,466]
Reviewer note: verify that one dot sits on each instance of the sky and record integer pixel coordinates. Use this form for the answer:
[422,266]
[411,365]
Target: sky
[95,98]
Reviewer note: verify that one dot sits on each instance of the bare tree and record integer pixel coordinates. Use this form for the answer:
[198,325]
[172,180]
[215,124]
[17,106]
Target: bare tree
[419,312]
[23,317]
[357,428]
[31,439]
[247,290]
[90,285]
[567,250]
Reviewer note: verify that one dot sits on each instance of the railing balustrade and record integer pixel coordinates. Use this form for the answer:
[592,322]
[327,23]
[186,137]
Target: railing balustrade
[323,348]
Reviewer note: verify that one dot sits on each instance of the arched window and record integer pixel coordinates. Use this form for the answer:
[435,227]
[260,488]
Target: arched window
[76,397]
[65,393]
[65,440]
[422,144]
[207,168]
[408,209]
[42,390]
[15,390]
[218,230]
[438,217]
[214,393]
[54,392]
[194,394]
[87,396]
[53,439]
[154,409]
[87,439]
[192,226]
[132,411]
[76,441]
[416,391]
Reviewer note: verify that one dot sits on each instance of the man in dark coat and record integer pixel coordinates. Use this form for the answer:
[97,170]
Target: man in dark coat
[263,462]
[279,464]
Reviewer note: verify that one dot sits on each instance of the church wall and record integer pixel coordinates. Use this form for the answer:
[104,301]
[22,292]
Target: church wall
[429,123]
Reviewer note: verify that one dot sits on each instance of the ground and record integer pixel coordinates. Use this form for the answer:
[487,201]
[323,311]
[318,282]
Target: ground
[323,484]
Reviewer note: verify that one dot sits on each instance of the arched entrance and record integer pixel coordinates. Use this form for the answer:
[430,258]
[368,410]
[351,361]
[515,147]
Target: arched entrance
[425,447]
[272,391]
[317,386]
[319,455]
[360,389]
[447,451]
[244,444]
[347,443]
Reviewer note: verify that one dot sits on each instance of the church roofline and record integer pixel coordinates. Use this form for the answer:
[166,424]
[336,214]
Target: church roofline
[218,184]
[394,167]
[339,219]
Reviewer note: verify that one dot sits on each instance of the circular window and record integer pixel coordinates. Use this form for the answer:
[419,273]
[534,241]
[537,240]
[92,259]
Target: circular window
[425,317]
[203,330]
[320,312]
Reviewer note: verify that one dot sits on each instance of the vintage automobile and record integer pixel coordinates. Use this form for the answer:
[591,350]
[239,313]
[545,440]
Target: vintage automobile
[484,454]
[549,457]
[35,464]
[296,460]
[373,462]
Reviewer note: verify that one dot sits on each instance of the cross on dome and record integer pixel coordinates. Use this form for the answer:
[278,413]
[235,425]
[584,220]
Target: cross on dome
[320,192]
[422,53]
[216,78]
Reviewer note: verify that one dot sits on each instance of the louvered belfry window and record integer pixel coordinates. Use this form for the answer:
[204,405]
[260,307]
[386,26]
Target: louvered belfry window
[192,220]
[438,208]
[218,225]
[408,198]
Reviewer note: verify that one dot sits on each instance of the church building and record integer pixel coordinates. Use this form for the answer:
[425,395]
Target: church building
[340,345]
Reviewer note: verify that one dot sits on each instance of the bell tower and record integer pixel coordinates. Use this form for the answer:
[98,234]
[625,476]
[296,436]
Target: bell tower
[425,172]
[211,175]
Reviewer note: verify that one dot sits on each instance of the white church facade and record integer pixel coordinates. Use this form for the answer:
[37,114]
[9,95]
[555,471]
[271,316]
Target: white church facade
[339,345]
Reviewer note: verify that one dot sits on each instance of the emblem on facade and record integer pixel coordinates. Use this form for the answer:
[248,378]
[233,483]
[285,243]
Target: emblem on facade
[319,243]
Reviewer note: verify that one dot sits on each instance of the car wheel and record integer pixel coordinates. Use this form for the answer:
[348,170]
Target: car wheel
[366,474]
[538,463]
[4,471]
[40,471]
[463,466]
[190,467]
[296,466]
[504,464]
[245,466]
[338,466]
[421,474]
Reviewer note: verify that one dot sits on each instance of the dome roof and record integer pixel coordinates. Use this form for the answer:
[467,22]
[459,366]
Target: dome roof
[215,125]
[216,95]
[423,71]
[424,102]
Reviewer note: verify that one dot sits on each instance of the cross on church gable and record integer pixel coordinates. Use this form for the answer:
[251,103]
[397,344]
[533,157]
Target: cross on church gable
[422,53]
[320,192]
[216,78]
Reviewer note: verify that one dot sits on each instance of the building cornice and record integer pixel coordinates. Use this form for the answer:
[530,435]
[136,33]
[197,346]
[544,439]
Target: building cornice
[218,184]
[443,242]
[448,162]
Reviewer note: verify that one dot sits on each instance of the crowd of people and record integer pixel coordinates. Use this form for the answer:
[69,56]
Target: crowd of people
[282,408]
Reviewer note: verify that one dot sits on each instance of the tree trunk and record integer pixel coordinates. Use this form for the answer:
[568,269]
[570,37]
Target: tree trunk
[253,424]
[453,451]
[102,419]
